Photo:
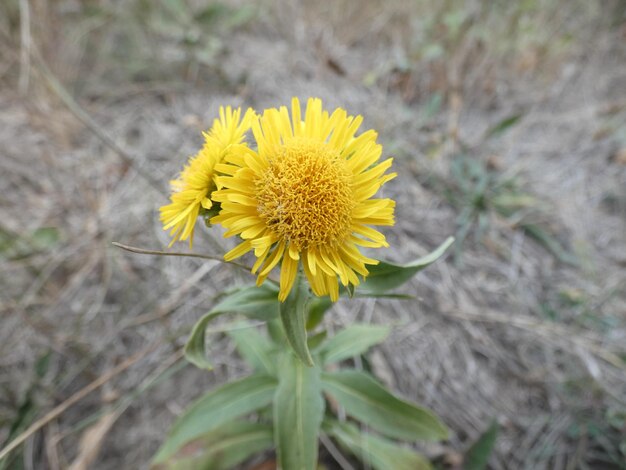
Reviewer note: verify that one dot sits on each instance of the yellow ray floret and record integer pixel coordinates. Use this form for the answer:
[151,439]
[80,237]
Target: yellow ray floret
[192,190]
[304,198]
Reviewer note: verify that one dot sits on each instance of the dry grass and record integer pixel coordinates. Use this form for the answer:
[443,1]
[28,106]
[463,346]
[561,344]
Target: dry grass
[504,331]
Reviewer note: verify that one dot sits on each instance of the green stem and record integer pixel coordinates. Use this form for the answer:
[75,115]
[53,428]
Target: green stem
[293,313]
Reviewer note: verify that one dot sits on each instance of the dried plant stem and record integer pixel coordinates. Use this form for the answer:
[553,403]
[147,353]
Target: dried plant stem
[67,99]
[25,50]
[91,441]
[550,331]
[143,251]
[336,453]
[37,425]
[87,120]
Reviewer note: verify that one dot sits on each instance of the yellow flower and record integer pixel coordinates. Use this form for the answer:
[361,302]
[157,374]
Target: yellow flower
[305,197]
[192,189]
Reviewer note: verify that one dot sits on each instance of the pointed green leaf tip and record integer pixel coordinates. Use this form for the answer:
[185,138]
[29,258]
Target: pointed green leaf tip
[386,276]
[503,125]
[477,456]
[368,401]
[380,453]
[252,301]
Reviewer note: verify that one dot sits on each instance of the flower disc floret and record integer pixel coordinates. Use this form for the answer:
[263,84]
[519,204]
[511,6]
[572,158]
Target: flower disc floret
[305,195]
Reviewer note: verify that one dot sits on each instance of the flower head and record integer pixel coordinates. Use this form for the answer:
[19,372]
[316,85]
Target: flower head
[305,197]
[192,190]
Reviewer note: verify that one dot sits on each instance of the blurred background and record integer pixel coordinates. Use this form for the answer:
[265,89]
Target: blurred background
[507,121]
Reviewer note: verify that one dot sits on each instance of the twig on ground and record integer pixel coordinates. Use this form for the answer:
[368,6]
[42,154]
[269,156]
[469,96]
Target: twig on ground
[87,120]
[25,47]
[82,393]
[91,441]
[542,328]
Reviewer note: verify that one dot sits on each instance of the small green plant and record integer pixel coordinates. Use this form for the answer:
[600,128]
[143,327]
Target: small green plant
[285,394]
[26,409]
[603,434]
[14,246]
[154,41]
[481,193]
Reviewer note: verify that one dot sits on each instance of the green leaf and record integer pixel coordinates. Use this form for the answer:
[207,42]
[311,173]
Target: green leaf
[293,315]
[477,455]
[45,238]
[240,16]
[550,243]
[434,105]
[258,302]
[195,349]
[211,14]
[509,203]
[251,301]
[380,453]
[503,125]
[217,407]
[42,364]
[25,415]
[386,276]
[352,341]
[316,340]
[317,308]
[298,413]
[17,246]
[223,448]
[432,52]
[368,401]
[255,349]
[276,332]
